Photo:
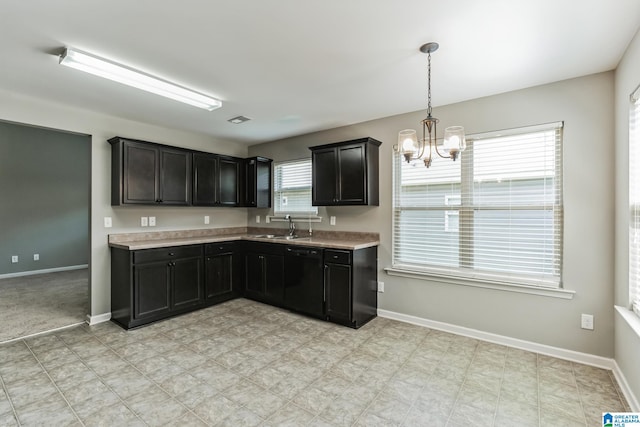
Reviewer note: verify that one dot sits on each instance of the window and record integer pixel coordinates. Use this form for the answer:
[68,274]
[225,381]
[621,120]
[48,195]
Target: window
[292,187]
[634,202]
[493,215]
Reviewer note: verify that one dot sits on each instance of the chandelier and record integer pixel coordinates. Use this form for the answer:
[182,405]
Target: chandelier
[413,149]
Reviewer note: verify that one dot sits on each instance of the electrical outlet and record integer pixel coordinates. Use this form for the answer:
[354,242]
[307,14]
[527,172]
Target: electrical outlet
[207,219]
[332,220]
[107,222]
[152,221]
[267,219]
[14,259]
[257,219]
[144,221]
[587,322]
[36,257]
[381,287]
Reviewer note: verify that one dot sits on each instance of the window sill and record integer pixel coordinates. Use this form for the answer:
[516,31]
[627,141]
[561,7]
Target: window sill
[499,286]
[630,317]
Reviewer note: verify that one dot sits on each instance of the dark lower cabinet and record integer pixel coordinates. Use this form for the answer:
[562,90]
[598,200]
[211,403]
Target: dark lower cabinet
[351,286]
[264,273]
[152,284]
[332,284]
[222,272]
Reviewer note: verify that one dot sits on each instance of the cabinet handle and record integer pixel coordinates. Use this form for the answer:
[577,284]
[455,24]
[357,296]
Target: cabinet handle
[171,254]
[335,257]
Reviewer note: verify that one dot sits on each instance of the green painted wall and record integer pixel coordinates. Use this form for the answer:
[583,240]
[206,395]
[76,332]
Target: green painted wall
[44,198]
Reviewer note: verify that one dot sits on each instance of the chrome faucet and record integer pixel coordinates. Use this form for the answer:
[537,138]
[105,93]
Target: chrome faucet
[292,226]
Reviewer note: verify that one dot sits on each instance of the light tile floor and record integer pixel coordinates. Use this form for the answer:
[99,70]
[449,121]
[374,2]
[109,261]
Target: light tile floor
[246,364]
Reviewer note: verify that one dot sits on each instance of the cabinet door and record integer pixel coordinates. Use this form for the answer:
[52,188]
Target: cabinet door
[175,177]
[257,182]
[187,282]
[205,170]
[229,181]
[140,168]
[274,278]
[338,291]
[218,275]
[324,177]
[254,274]
[352,174]
[151,287]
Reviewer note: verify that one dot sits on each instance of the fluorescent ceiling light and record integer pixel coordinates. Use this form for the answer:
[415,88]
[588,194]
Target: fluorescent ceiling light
[125,75]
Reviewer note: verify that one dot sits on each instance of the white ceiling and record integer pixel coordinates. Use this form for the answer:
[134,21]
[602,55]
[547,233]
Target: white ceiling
[297,66]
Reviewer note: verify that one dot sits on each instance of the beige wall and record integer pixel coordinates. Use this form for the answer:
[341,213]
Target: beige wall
[20,109]
[627,341]
[586,107]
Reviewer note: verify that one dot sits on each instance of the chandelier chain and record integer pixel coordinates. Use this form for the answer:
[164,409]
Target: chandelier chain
[429,84]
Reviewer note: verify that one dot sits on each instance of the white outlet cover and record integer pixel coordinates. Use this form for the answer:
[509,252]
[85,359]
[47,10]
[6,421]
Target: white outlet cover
[14,259]
[107,222]
[207,219]
[332,220]
[257,219]
[144,221]
[36,257]
[152,221]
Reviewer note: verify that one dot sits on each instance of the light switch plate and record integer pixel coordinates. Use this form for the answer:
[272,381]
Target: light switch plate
[107,222]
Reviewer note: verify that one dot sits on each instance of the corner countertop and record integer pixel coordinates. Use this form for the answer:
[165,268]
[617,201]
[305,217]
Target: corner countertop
[320,238]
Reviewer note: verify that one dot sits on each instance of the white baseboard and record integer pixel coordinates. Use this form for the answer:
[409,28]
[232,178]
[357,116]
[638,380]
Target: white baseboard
[100,318]
[560,353]
[62,328]
[626,390]
[43,271]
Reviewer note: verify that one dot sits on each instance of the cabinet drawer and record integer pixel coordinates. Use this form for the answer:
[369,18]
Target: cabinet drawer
[217,248]
[161,254]
[337,256]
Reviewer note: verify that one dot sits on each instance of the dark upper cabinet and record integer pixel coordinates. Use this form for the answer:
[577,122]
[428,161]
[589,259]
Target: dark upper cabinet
[257,182]
[345,173]
[147,173]
[217,180]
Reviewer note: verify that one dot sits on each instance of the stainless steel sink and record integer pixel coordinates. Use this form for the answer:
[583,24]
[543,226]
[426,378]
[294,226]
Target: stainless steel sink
[287,237]
[279,237]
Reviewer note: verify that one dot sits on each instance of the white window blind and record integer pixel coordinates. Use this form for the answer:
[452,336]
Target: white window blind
[495,214]
[634,202]
[292,187]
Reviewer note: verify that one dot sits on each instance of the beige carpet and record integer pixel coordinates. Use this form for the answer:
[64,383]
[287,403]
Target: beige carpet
[39,303]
